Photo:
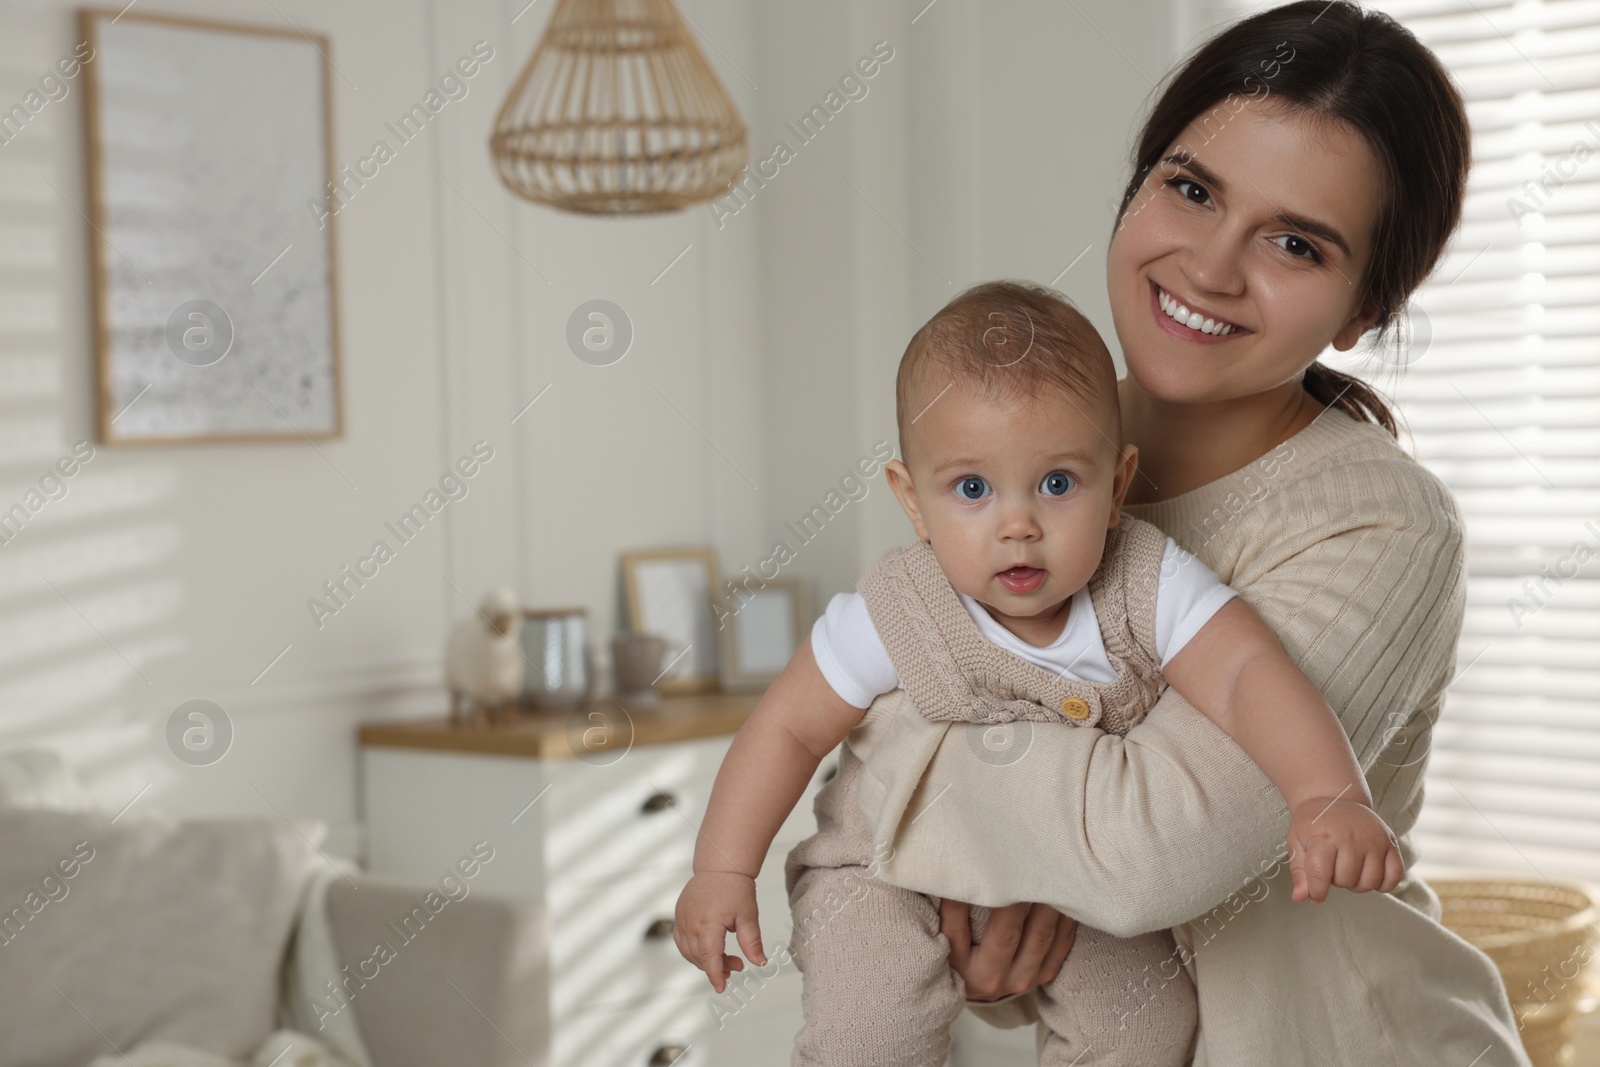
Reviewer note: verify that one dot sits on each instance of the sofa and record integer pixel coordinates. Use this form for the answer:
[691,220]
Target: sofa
[137,938]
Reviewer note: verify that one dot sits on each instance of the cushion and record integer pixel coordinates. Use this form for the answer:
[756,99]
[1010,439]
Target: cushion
[147,929]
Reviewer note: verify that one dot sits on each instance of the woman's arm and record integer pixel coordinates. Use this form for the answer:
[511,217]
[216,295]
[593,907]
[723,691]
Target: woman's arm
[1136,833]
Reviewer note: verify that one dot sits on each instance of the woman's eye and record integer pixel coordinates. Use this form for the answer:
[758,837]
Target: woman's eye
[1056,483]
[1194,193]
[1300,248]
[972,488]
[1179,183]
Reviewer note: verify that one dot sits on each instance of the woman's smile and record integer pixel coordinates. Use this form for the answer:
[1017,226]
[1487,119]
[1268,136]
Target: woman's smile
[1176,318]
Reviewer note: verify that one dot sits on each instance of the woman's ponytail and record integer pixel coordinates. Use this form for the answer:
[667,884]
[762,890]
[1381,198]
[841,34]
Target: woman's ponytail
[1349,394]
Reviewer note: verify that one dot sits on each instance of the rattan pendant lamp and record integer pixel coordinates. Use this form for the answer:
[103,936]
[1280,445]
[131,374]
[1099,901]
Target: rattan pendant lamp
[618,113]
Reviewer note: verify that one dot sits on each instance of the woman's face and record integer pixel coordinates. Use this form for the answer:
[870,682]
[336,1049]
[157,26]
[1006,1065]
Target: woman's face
[1264,228]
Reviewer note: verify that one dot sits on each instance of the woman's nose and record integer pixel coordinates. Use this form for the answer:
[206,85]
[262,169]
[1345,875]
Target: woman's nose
[1214,265]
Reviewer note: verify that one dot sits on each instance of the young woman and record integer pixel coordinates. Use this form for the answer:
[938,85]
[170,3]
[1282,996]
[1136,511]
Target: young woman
[1296,181]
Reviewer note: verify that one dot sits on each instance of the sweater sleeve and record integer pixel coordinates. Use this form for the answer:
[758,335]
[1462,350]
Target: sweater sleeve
[1359,574]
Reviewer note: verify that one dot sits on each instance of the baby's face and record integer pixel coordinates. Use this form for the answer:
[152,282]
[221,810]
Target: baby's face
[1015,497]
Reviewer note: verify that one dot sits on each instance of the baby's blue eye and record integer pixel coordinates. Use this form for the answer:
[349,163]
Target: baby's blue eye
[972,488]
[1056,483]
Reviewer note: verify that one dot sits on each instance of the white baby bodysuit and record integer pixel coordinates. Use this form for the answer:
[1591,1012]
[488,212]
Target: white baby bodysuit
[852,657]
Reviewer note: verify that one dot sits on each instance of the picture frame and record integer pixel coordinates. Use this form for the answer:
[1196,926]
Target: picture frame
[670,593]
[209,150]
[761,631]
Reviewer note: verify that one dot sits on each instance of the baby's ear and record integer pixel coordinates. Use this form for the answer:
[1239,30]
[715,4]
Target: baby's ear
[905,491]
[1122,479]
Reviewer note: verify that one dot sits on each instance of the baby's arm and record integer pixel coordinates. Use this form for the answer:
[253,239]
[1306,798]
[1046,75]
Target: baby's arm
[798,721]
[1235,671]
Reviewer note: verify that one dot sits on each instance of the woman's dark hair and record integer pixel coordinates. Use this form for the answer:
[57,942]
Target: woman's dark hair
[1338,62]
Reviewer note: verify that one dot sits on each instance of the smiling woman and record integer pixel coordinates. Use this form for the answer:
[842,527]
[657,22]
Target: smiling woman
[1301,220]
[1235,247]
[1294,187]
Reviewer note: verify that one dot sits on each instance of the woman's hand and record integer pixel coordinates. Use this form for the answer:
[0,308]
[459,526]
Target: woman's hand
[1023,946]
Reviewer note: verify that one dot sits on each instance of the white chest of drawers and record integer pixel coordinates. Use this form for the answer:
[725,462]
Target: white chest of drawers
[606,839]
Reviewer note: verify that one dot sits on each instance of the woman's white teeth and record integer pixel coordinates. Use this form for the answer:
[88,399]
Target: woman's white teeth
[1192,319]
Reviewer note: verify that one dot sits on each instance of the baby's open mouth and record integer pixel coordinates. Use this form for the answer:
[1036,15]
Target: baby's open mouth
[1021,579]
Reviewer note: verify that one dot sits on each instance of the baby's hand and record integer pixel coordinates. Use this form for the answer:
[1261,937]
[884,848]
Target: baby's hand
[1343,843]
[711,905]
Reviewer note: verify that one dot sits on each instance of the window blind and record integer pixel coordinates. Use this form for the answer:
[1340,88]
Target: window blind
[1499,387]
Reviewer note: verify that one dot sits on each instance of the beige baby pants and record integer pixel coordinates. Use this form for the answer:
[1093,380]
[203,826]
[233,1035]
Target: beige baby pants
[877,989]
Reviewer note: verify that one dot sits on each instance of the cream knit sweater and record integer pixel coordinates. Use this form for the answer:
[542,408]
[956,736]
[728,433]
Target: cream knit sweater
[1352,552]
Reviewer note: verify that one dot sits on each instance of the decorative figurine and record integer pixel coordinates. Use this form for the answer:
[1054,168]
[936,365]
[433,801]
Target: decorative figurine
[483,664]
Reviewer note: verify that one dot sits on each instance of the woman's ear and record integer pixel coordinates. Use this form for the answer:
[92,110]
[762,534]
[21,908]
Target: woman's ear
[899,476]
[1364,319]
[1122,479]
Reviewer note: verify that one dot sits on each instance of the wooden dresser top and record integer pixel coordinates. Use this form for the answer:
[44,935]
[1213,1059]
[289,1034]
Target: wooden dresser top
[602,726]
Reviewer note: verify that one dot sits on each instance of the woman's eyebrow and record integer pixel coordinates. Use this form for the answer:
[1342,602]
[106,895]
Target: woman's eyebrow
[1298,222]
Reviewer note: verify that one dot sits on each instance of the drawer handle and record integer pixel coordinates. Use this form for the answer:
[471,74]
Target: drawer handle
[656,931]
[833,770]
[658,802]
[667,1054]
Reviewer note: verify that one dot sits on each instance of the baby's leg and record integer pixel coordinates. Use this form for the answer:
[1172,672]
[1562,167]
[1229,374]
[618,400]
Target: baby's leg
[876,987]
[1119,1001]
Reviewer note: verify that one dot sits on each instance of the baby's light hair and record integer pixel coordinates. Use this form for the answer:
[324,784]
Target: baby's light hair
[1011,338]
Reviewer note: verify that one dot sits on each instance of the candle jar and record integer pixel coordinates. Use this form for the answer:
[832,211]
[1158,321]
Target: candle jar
[556,643]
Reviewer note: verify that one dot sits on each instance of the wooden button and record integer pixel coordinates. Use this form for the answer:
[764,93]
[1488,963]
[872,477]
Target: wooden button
[1074,708]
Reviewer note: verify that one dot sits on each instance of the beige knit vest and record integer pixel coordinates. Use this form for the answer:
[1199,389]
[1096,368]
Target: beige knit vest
[952,672]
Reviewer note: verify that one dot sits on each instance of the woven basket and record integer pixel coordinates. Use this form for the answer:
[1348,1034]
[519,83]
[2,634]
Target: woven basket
[1541,936]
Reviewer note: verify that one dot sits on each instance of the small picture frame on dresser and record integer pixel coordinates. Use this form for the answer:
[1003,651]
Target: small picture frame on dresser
[669,594]
[761,631]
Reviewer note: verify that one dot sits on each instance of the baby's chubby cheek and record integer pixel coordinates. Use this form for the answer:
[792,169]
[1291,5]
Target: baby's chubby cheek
[959,559]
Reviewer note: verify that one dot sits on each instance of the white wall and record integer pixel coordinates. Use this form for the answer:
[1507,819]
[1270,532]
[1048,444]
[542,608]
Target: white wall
[988,145]
[181,572]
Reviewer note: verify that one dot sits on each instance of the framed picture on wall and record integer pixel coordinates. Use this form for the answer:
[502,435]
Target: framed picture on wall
[761,632]
[210,170]
[669,594]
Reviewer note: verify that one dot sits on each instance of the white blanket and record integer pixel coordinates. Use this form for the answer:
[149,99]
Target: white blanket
[313,961]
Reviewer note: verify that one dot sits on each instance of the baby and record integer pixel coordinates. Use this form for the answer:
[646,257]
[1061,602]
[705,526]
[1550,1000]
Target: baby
[1028,596]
